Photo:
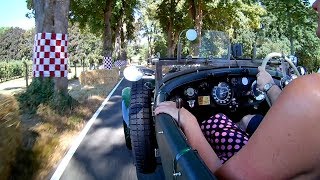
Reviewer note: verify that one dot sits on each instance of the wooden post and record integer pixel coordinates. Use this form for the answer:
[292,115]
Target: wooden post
[75,70]
[27,73]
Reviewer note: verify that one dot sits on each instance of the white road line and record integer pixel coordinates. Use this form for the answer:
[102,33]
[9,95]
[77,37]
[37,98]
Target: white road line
[63,164]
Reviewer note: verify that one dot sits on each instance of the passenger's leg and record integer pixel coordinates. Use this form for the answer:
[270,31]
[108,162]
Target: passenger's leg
[224,136]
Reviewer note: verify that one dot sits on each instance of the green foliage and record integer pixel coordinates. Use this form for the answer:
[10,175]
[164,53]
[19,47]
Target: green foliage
[309,51]
[41,91]
[160,46]
[3,30]
[84,47]
[285,26]
[120,23]
[16,43]
[230,16]
[13,69]
[62,102]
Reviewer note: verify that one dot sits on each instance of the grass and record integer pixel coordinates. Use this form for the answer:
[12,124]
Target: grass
[47,133]
[10,133]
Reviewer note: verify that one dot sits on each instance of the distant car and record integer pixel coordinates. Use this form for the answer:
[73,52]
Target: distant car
[205,80]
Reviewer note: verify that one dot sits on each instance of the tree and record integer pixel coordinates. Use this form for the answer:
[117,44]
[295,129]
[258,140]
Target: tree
[103,17]
[150,28]
[296,21]
[16,44]
[291,17]
[123,27]
[51,16]
[84,47]
[173,18]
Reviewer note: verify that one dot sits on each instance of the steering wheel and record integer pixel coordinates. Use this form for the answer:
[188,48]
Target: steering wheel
[274,54]
[270,56]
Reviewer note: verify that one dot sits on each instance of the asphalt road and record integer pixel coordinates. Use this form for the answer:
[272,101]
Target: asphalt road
[103,154]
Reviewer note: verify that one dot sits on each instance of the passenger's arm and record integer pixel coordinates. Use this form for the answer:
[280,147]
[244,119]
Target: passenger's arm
[193,133]
[286,144]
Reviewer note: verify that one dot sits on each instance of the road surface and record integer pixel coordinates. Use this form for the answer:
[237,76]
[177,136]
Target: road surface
[102,154]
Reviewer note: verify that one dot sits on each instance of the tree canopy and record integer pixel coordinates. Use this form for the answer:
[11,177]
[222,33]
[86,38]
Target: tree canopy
[122,26]
[15,43]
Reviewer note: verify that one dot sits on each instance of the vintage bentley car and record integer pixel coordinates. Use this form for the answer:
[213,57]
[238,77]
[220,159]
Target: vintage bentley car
[208,76]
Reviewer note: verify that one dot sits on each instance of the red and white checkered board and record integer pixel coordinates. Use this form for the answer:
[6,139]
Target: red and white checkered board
[50,58]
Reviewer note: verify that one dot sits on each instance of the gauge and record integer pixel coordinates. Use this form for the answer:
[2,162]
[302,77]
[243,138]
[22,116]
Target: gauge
[222,93]
[234,81]
[245,81]
[256,93]
[190,92]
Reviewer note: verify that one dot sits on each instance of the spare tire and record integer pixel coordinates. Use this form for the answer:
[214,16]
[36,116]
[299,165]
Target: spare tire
[142,131]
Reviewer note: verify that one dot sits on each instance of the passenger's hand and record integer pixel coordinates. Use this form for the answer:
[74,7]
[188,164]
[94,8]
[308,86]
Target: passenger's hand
[169,107]
[263,77]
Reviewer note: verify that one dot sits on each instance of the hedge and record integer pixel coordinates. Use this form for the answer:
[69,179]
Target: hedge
[13,69]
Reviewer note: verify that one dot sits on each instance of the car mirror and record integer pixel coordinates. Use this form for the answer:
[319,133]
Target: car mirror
[132,73]
[191,34]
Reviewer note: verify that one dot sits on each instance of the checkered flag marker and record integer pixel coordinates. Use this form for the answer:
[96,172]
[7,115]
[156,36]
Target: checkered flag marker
[120,63]
[107,63]
[50,58]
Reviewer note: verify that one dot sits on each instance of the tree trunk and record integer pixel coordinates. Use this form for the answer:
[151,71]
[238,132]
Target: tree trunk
[123,46]
[107,34]
[51,16]
[170,37]
[291,46]
[117,43]
[196,13]
[199,17]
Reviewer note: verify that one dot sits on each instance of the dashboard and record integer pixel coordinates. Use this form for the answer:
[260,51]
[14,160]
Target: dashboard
[232,94]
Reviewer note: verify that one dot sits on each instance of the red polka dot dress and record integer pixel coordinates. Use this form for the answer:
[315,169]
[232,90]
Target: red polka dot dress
[224,136]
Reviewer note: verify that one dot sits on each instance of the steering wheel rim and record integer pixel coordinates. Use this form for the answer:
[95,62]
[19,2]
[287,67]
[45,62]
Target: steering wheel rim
[274,54]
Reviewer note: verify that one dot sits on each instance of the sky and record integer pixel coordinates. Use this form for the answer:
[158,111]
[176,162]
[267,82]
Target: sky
[13,14]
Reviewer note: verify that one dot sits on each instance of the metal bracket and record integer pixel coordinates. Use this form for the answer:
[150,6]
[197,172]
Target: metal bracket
[178,156]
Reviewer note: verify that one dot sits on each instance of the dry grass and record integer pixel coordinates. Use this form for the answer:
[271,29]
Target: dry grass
[57,132]
[56,136]
[10,134]
[50,133]
[83,93]
[98,77]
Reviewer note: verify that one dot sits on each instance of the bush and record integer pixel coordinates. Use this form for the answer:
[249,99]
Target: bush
[41,91]
[13,69]
[10,134]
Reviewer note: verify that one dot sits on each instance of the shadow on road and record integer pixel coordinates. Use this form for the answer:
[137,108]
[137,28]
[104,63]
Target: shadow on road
[103,154]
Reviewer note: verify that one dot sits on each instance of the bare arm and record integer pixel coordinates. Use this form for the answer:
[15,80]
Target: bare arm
[274,93]
[193,133]
[263,77]
[286,144]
